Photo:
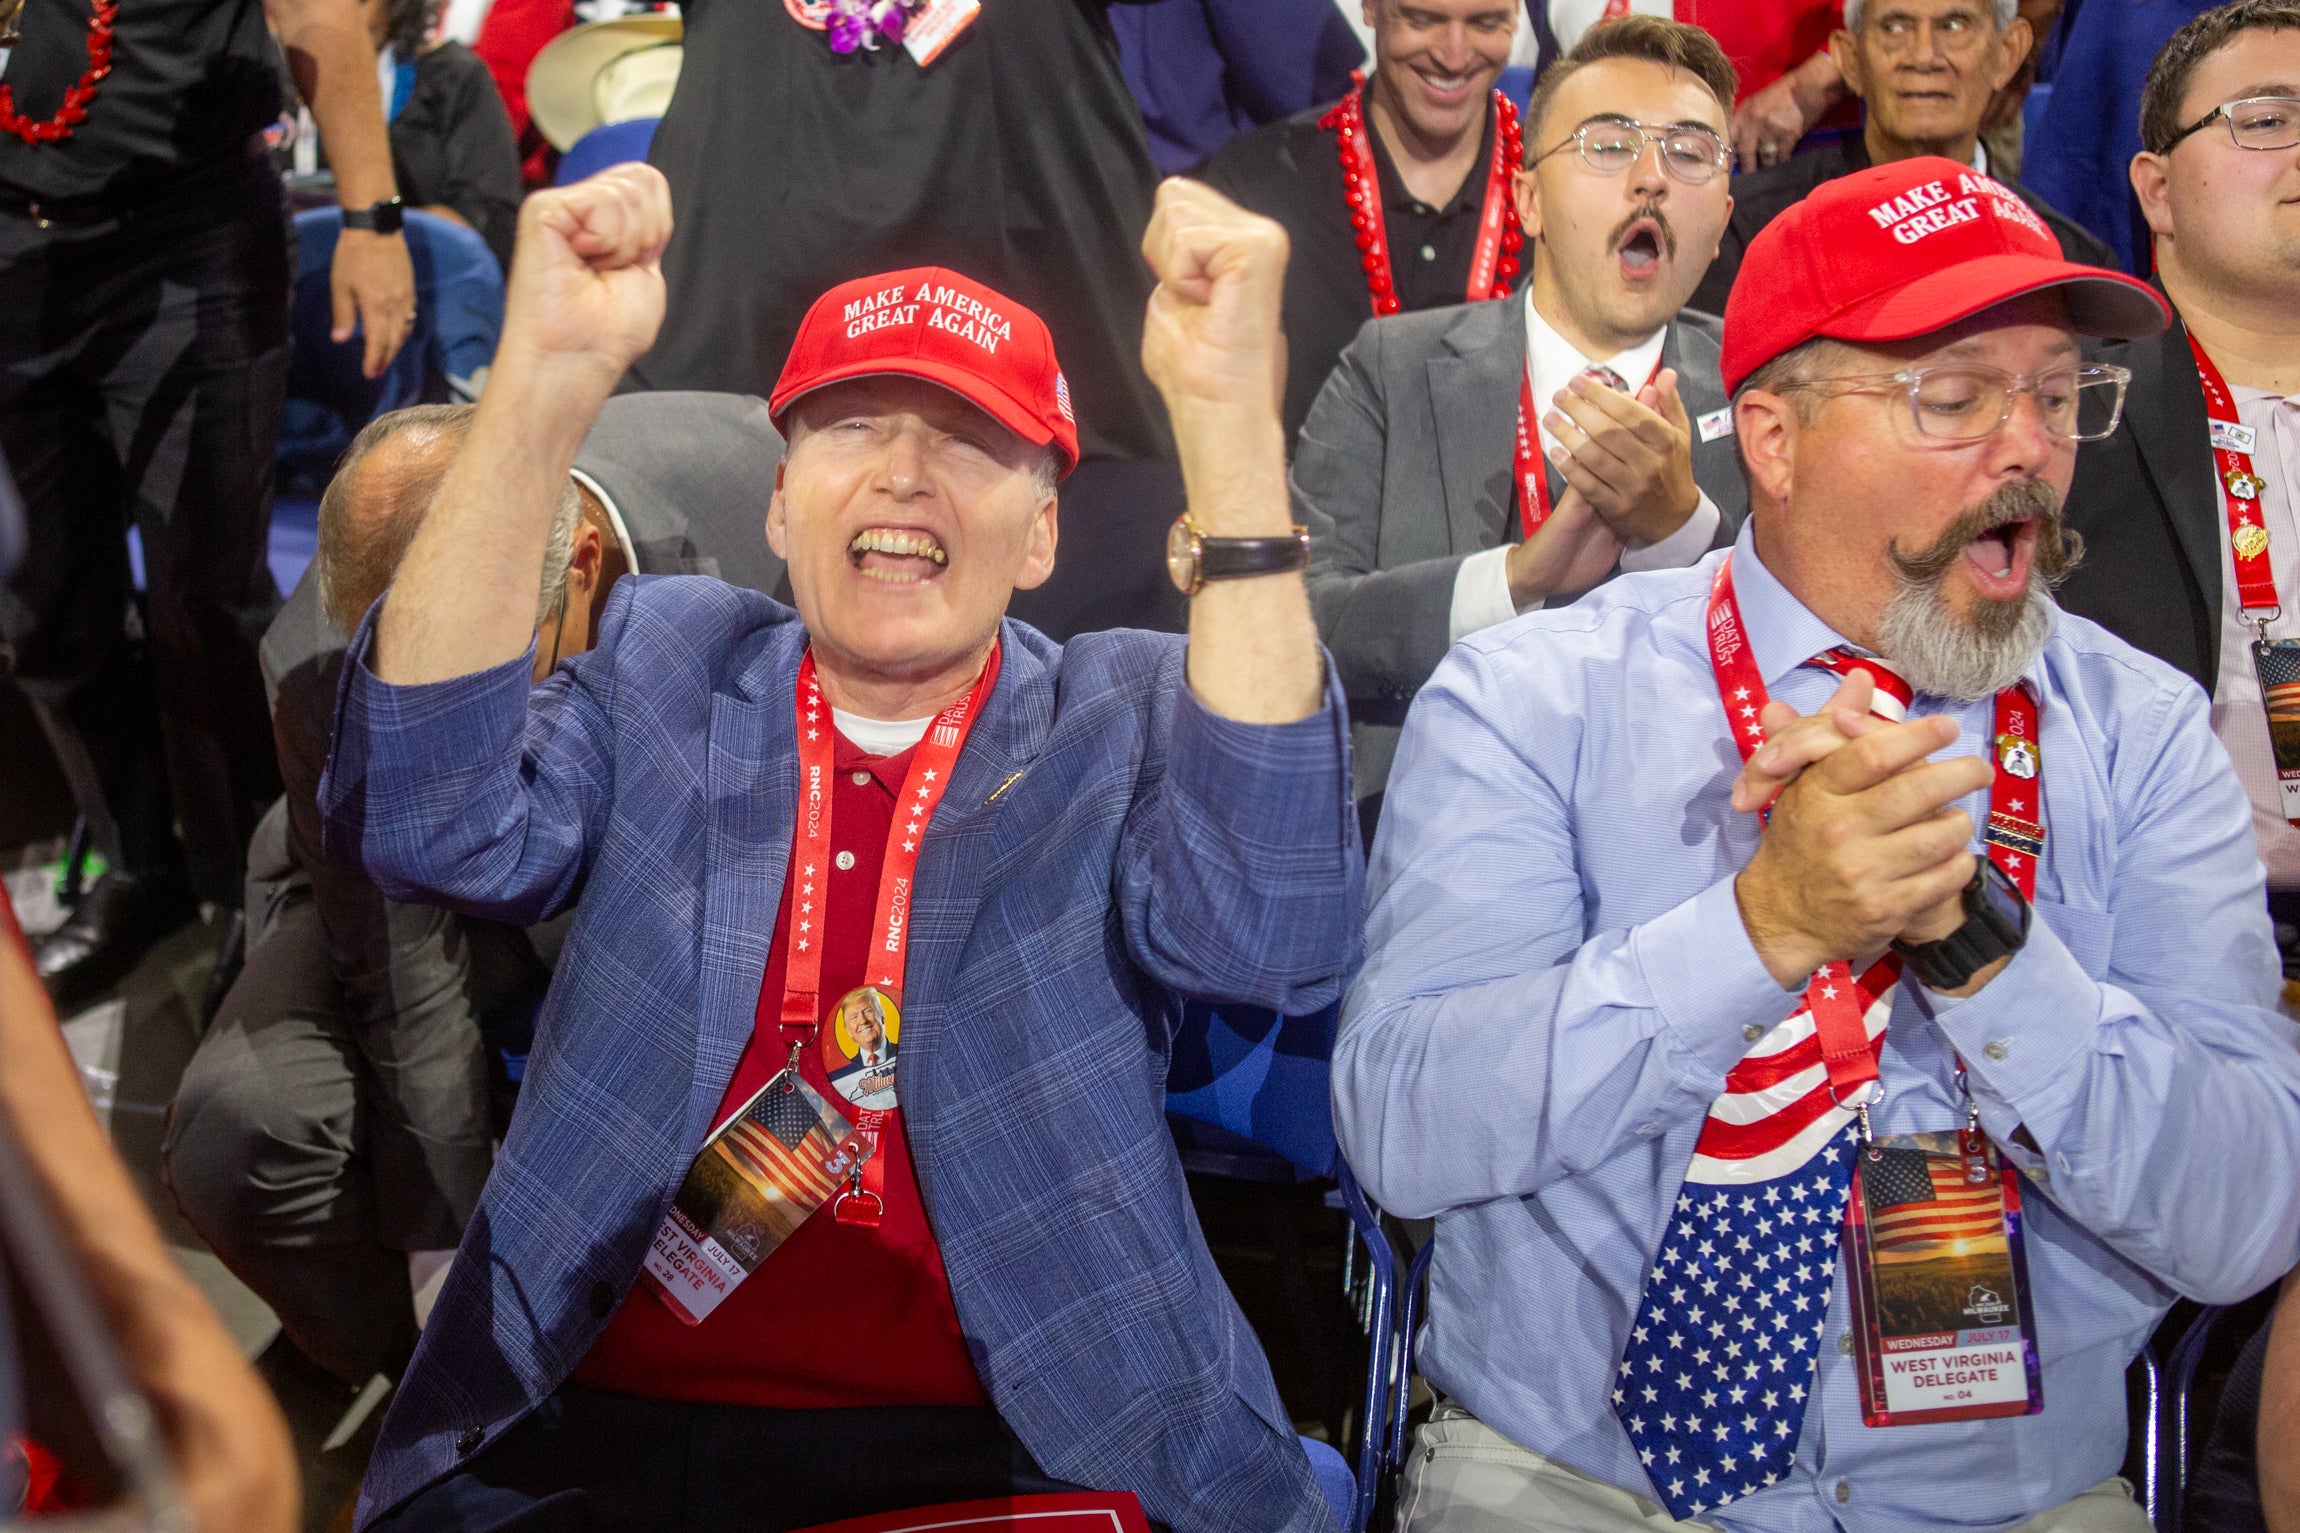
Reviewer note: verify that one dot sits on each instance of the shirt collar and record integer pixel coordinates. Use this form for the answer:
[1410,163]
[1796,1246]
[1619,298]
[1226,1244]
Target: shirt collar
[1784,633]
[1395,197]
[1553,361]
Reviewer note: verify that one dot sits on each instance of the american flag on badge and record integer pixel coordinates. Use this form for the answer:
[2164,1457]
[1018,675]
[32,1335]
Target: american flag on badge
[1920,1204]
[779,1142]
[1713,1384]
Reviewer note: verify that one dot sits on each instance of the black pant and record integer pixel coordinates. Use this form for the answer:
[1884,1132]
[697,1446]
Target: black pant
[142,364]
[599,1463]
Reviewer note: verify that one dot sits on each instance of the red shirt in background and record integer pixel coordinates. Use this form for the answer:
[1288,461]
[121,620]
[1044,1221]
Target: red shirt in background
[513,33]
[837,1315]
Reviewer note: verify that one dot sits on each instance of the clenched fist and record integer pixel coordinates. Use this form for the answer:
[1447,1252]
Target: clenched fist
[587,275]
[1211,341]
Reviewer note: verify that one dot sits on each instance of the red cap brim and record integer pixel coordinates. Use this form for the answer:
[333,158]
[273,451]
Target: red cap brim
[976,390]
[2101,303]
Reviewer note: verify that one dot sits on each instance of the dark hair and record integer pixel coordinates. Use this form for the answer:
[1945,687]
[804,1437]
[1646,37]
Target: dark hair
[2176,62]
[410,26]
[1636,36]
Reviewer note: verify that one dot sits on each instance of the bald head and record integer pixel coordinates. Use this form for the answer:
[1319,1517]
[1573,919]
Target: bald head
[372,507]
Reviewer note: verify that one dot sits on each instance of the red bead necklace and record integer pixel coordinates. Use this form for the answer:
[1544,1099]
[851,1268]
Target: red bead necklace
[74,111]
[1493,261]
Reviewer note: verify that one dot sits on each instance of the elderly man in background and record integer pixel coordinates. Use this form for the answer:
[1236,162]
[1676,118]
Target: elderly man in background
[1999,881]
[767,810]
[1471,463]
[332,1133]
[1433,145]
[1928,71]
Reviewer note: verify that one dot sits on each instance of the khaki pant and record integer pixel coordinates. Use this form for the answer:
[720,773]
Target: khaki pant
[1464,1477]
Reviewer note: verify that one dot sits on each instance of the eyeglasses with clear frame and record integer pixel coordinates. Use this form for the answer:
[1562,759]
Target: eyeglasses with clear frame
[2255,122]
[1970,402]
[1610,145]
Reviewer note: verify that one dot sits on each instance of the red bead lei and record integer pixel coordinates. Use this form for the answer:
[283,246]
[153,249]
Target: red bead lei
[1493,262]
[75,108]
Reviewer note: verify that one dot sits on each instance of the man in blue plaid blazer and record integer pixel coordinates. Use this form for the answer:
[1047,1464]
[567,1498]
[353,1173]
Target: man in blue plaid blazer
[1129,820]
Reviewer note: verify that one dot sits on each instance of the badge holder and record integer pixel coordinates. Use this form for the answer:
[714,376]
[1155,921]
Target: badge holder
[1936,1273]
[753,1183]
[2277,663]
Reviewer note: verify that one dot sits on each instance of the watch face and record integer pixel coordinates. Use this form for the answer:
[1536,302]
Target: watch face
[1182,555]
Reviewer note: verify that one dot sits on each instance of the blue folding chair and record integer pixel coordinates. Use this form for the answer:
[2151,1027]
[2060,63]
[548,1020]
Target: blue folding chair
[1249,1092]
[458,319]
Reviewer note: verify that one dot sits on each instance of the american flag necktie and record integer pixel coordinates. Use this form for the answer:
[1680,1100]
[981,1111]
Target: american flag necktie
[1713,1385]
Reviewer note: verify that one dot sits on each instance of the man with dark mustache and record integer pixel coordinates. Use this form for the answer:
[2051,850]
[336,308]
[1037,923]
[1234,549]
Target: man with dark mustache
[1837,903]
[1622,195]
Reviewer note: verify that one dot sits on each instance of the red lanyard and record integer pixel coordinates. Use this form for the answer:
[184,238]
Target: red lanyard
[2015,836]
[1532,476]
[2240,486]
[1493,261]
[922,791]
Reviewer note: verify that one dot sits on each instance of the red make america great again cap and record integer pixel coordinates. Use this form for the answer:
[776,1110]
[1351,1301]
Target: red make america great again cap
[1901,250]
[929,322]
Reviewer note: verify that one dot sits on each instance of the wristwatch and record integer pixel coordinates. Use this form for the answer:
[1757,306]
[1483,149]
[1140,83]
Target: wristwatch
[1192,558]
[1996,926]
[384,218]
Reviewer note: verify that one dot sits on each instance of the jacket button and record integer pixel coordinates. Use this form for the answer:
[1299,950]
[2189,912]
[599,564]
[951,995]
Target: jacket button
[467,1441]
[602,1301]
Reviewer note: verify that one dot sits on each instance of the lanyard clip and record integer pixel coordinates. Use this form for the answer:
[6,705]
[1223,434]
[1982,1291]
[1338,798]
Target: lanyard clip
[791,1070]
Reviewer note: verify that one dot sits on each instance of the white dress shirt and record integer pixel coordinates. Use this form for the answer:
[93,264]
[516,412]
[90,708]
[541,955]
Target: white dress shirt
[2238,714]
[1481,586]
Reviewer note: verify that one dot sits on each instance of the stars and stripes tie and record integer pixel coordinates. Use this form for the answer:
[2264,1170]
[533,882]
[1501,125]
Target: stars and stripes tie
[1713,1385]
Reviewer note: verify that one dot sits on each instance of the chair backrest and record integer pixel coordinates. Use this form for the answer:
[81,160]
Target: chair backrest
[1252,1073]
[608,144]
[458,319]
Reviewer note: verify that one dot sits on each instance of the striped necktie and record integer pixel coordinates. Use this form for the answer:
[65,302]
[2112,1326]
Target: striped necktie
[1713,1385]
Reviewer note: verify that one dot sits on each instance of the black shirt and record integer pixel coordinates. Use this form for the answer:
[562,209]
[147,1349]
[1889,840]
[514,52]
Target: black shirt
[451,146]
[1292,171]
[1016,158]
[191,82]
[1763,195]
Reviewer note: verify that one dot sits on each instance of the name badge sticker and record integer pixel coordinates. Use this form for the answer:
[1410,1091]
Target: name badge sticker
[1944,1328]
[2227,436]
[1715,424]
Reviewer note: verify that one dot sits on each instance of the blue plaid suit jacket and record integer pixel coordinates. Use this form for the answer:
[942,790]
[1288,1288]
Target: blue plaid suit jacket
[1148,849]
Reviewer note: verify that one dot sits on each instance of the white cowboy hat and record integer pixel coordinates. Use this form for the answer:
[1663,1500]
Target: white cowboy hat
[607,71]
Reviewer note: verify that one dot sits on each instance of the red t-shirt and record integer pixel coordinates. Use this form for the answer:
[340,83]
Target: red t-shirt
[837,1315]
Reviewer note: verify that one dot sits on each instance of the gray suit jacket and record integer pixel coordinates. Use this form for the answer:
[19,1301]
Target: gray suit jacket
[1404,469]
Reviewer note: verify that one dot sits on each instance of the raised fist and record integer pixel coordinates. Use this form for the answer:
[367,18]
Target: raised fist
[1211,341]
[587,276]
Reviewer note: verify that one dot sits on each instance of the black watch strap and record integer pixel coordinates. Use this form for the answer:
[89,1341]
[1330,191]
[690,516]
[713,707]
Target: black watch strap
[1240,558]
[383,218]
[1996,925]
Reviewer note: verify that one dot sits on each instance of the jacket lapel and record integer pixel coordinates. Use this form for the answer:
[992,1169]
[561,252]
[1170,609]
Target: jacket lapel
[1473,390]
[2165,410]
[750,785]
[961,857]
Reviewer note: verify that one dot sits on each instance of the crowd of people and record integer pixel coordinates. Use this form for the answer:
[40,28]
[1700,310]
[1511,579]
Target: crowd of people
[1674,601]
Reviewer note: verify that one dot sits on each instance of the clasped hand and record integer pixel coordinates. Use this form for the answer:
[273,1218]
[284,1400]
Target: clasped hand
[1627,463]
[1863,846]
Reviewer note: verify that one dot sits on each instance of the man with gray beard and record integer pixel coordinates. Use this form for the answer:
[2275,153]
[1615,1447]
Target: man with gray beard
[1837,902]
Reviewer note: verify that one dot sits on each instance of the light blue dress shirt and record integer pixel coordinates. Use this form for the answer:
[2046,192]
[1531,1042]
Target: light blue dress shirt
[1558,981]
